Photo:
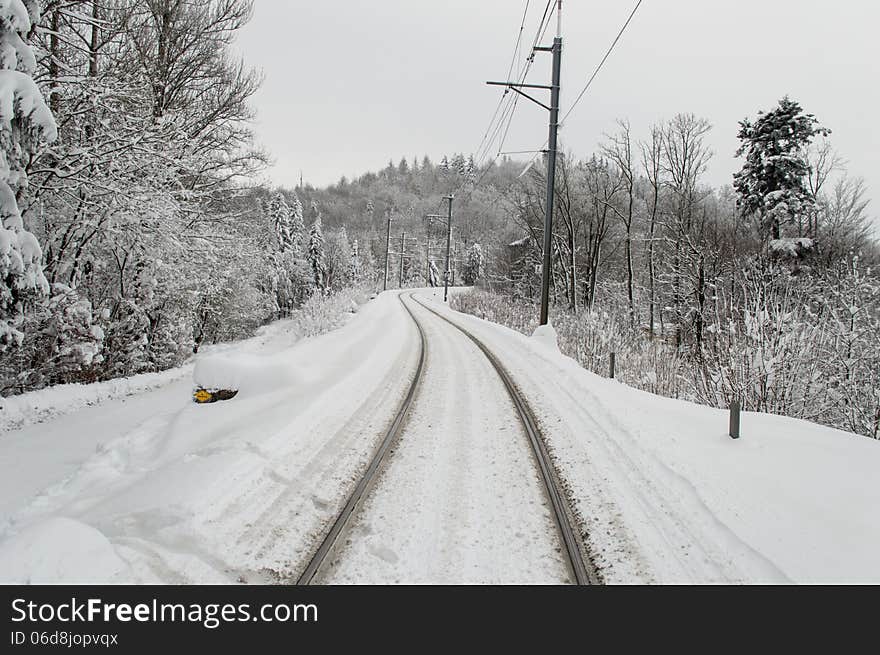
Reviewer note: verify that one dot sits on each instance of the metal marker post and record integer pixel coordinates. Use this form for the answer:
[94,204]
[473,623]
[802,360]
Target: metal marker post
[735,409]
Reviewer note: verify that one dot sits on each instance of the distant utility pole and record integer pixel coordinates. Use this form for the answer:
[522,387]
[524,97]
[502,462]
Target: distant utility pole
[446,276]
[402,257]
[387,248]
[427,252]
[554,89]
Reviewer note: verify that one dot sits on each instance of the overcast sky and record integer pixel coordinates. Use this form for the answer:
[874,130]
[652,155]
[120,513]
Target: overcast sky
[351,84]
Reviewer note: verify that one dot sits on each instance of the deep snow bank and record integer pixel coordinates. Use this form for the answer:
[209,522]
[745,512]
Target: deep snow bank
[38,406]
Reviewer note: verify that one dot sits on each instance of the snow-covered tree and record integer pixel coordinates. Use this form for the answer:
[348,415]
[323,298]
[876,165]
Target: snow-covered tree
[315,253]
[434,280]
[289,277]
[355,266]
[473,268]
[773,181]
[458,165]
[471,167]
[337,260]
[281,216]
[25,120]
[297,224]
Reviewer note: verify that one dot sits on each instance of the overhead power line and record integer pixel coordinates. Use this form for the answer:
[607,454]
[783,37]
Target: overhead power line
[503,125]
[589,82]
[602,63]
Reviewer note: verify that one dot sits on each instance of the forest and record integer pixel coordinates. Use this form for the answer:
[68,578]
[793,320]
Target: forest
[137,227]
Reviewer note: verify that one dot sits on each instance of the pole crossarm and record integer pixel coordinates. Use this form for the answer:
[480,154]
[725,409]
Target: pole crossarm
[515,86]
[528,97]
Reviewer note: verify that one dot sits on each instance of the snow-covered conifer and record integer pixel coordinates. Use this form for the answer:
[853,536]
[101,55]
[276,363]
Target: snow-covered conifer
[473,268]
[25,119]
[315,253]
[459,165]
[773,180]
[280,214]
[355,268]
[297,223]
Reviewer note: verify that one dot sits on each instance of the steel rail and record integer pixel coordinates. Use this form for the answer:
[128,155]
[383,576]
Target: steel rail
[354,500]
[581,567]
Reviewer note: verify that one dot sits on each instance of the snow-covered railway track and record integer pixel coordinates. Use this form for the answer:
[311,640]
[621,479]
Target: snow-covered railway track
[581,567]
[360,491]
[335,551]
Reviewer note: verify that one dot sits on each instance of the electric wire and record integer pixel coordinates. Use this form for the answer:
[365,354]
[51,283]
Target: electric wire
[602,63]
[591,78]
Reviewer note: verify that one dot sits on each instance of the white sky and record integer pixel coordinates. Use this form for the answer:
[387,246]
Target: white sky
[351,84]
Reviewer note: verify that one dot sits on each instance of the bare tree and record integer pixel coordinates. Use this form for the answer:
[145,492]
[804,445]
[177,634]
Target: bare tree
[652,158]
[618,149]
[685,158]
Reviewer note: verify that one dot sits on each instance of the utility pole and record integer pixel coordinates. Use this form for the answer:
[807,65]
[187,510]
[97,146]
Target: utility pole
[551,152]
[427,252]
[387,248]
[450,198]
[402,257]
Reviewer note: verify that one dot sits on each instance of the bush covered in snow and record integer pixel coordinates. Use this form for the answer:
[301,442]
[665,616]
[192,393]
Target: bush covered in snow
[782,344]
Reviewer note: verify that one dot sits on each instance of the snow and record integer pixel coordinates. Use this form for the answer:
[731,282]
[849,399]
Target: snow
[20,94]
[154,488]
[791,247]
[238,490]
[38,406]
[546,336]
[32,557]
[249,374]
[667,496]
[438,515]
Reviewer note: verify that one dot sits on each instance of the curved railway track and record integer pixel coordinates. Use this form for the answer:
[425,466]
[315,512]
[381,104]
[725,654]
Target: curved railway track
[580,567]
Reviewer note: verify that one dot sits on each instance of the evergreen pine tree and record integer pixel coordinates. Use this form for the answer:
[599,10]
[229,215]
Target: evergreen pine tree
[473,268]
[471,169]
[281,216]
[297,224]
[772,182]
[315,254]
[24,120]
[459,165]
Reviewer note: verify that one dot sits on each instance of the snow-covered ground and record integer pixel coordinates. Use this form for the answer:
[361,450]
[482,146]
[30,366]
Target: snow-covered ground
[179,492]
[153,488]
[667,496]
[461,500]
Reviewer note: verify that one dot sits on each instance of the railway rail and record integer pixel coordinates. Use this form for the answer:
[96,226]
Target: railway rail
[580,567]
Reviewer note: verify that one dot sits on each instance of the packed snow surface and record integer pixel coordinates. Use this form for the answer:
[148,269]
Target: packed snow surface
[461,500]
[149,487]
